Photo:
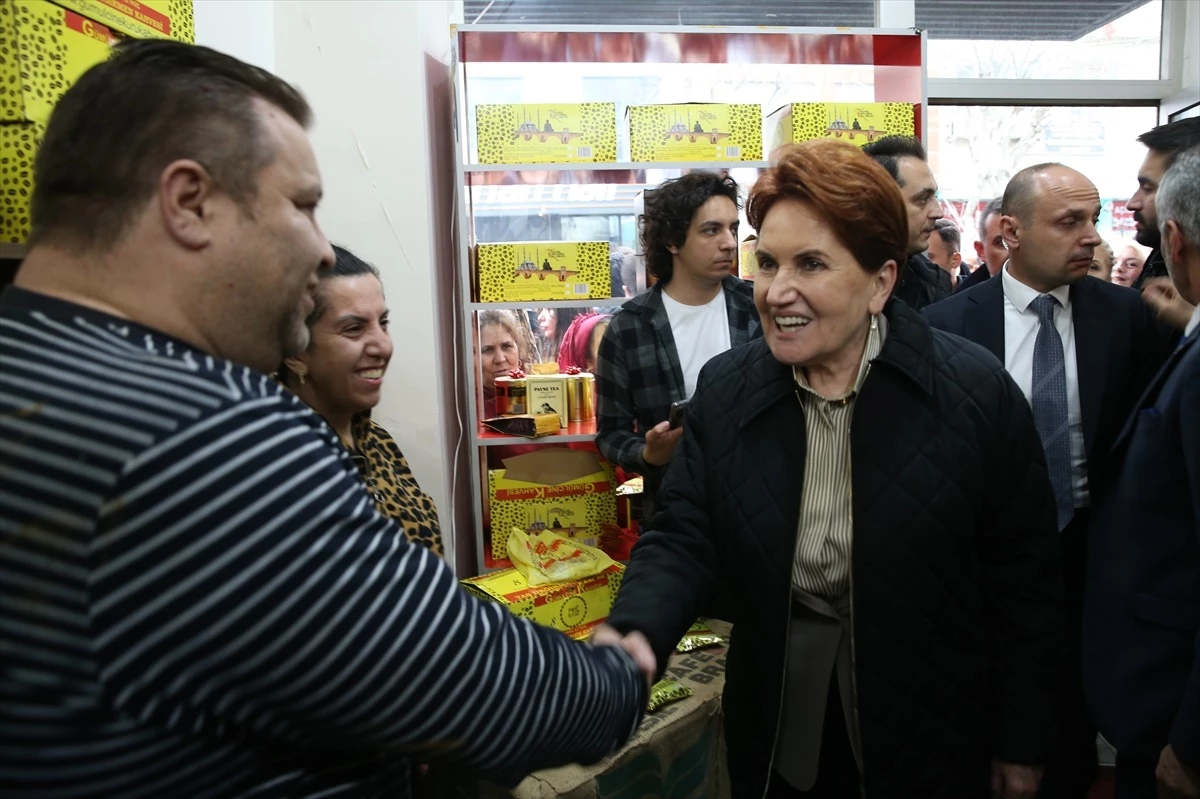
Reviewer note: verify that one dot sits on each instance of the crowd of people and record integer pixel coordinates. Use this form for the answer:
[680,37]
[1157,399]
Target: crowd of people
[953,515]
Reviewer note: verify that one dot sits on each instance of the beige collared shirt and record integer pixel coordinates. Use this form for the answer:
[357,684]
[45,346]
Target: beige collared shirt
[822,562]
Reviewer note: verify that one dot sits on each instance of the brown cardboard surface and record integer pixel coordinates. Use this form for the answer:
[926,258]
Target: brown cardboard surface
[676,753]
[551,466]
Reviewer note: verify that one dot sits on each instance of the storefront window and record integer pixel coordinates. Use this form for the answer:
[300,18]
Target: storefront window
[1058,41]
[974,150]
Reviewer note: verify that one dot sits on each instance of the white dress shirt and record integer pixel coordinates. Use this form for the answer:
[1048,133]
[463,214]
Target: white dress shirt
[1193,323]
[1020,332]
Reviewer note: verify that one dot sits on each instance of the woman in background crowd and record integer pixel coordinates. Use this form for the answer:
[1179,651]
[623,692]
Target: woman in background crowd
[340,376]
[1102,262]
[552,326]
[504,344]
[896,630]
[581,342]
[1127,265]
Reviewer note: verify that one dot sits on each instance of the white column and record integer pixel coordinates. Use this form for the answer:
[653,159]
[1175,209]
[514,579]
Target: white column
[377,77]
[895,13]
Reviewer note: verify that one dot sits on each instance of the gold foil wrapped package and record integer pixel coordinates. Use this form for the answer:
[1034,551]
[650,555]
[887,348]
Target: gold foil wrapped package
[664,692]
[699,636]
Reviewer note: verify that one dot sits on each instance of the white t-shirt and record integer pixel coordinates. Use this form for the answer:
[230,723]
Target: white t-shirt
[701,332]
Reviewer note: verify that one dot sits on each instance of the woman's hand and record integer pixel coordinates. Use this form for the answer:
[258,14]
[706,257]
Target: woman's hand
[660,444]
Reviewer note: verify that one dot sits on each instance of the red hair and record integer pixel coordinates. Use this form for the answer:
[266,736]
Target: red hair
[858,198]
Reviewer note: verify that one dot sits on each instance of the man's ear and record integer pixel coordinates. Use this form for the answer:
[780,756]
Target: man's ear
[185,199]
[1010,229]
[955,261]
[1173,242]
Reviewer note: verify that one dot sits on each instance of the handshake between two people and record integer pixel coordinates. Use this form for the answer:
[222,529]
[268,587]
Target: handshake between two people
[635,645]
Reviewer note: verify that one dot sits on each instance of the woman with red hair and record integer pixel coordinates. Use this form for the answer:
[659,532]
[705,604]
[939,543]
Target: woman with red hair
[581,342]
[897,622]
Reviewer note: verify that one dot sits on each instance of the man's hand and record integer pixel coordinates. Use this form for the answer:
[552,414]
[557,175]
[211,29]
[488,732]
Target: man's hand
[660,444]
[1161,295]
[1175,780]
[1014,781]
[635,644]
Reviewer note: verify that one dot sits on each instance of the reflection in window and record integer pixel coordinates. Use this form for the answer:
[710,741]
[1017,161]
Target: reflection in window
[1059,40]
[974,150]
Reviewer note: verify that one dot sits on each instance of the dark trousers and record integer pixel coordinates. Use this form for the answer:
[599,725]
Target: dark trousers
[1073,767]
[1135,778]
[837,771]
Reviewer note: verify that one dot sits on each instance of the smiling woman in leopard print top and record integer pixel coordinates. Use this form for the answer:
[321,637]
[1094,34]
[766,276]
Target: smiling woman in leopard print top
[340,376]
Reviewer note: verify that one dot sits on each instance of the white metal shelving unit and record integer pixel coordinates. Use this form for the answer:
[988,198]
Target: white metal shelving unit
[872,65]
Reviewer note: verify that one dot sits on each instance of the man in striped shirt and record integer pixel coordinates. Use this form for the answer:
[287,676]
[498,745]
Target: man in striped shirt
[197,597]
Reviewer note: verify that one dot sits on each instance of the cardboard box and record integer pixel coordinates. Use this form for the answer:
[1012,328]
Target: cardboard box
[562,606]
[548,394]
[141,19]
[695,132]
[747,259]
[857,123]
[46,49]
[547,133]
[542,270]
[18,144]
[677,752]
[568,491]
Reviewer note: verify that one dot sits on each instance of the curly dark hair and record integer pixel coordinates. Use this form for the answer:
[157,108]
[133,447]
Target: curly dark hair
[668,215]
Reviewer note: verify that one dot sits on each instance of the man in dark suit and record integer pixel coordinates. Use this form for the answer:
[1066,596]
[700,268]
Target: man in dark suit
[921,282]
[1141,641]
[1082,351]
[989,247]
[1163,144]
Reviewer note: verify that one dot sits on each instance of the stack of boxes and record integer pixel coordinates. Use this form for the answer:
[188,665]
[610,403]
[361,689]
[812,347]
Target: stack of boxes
[45,46]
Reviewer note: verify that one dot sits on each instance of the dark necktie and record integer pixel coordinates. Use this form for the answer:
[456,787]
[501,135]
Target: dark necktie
[1050,405]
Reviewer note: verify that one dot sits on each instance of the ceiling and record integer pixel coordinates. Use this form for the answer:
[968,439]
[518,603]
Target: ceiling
[1024,20]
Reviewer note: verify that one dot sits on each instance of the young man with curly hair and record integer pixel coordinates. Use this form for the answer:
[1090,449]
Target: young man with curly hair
[652,352]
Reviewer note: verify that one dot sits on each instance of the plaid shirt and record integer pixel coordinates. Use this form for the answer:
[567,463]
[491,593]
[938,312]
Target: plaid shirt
[638,374]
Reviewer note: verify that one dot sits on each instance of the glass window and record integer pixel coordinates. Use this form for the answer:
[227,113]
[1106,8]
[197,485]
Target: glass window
[1054,41]
[974,150]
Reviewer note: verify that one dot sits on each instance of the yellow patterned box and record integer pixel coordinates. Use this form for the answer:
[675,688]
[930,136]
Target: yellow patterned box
[45,50]
[141,19]
[546,134]
[571,492]
[695,132]
[857,123]
[543,270]
[563,606]
[18,144]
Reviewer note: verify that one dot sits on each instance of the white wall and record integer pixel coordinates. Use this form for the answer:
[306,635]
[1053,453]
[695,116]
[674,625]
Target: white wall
[242,28]
[377,77]
[1188,40]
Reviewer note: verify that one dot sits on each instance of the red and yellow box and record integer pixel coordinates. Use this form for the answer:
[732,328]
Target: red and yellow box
[570,492]
[141,19]
[50,47]
[564,606]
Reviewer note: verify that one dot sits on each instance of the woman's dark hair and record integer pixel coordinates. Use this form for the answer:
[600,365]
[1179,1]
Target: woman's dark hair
[345,264]
[668,215]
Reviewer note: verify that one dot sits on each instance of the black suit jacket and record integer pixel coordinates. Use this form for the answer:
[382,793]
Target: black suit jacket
[975,278]
[1119,346]
[1142,620]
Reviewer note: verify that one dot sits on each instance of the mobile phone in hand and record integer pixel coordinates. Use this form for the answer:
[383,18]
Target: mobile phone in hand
[676,417]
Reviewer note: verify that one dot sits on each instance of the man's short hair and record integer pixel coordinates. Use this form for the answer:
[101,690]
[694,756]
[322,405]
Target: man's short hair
[949,233]
[1020,195]
[991,208]
[890,149]
[668,214]
[154,102]
[1173,138]
[1178,197]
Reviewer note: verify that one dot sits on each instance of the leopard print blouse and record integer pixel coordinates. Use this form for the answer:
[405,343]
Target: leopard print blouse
[392,484]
